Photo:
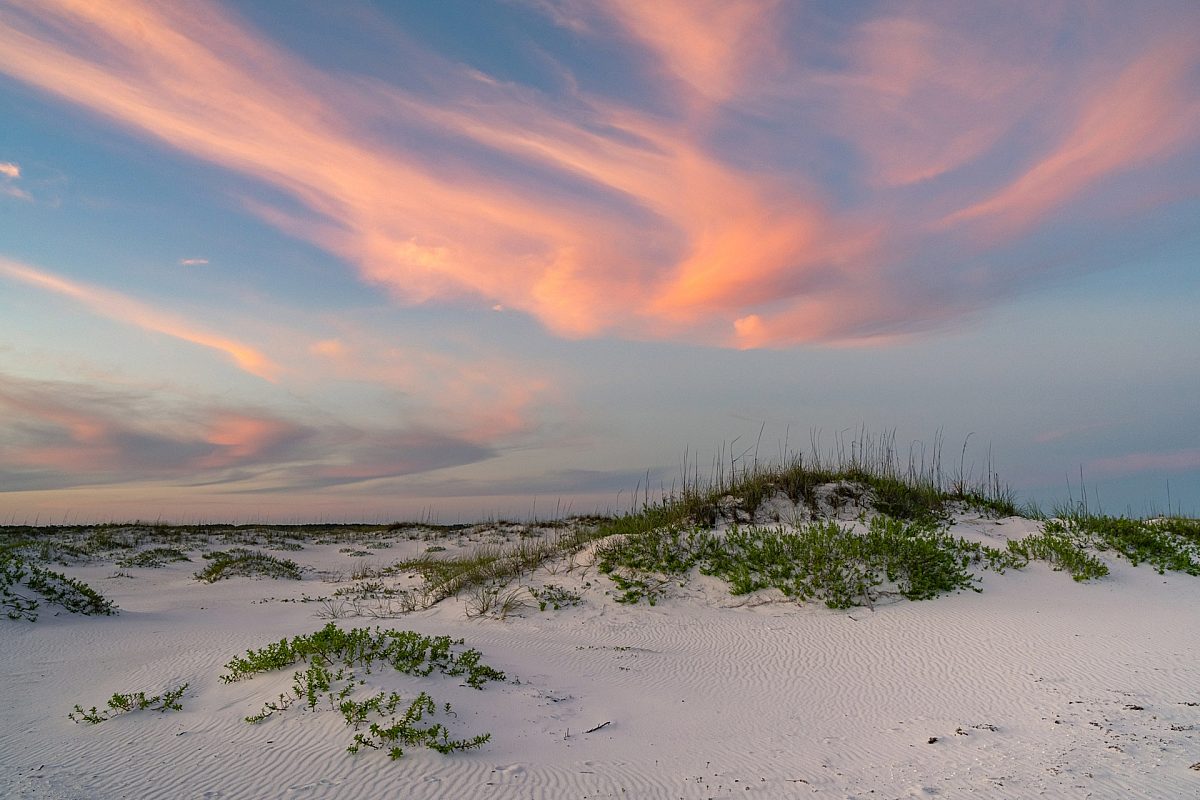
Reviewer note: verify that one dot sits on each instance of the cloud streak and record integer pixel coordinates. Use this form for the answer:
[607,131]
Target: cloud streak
[61,434]
[1148,111]
[121,308]
[1132,463]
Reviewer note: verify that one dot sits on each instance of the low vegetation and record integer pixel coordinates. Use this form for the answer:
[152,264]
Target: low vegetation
[25,586]
[823,561]
[555,597]
[334,660]
[154,557]
[250,563]
[125,703]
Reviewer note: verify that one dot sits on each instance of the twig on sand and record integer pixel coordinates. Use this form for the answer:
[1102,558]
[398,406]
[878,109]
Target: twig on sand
[598,727]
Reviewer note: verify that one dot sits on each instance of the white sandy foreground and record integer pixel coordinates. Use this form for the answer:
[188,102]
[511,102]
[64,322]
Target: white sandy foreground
[1038,686]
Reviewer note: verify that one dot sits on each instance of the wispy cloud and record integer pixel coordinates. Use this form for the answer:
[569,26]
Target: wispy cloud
[1045,437]
[192,262]
[596,215]
[471,392]
[124,309]
[710,46]
[1131,463]
[10,173]
[1146,112]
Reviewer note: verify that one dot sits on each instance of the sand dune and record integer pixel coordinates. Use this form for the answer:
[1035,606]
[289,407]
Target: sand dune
[1036,686]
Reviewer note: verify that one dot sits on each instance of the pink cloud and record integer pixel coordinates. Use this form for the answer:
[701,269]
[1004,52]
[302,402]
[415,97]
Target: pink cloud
[1170,461]
[924,95]
[64,434]
[709,45]
[109,435]
[1062,433]
[472,393]
[1142,115]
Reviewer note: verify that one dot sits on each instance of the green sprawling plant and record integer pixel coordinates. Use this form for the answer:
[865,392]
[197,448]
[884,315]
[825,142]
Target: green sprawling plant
[1062,550]
[24,586]
[554,596]
[239,561]
[1166,544]
[822,561]
[125,703]
[332,655]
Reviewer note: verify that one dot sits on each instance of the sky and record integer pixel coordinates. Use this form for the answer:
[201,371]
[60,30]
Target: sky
[309,261]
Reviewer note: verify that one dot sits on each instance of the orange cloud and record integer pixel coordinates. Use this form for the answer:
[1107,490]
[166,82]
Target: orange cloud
[479,396]
[1141,116]
[330,348]
[121,308]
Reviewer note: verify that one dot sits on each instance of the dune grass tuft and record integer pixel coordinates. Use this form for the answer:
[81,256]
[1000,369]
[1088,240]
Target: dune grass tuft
[239,561]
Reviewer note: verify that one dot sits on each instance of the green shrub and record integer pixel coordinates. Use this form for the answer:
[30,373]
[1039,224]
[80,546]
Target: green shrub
[1167,544]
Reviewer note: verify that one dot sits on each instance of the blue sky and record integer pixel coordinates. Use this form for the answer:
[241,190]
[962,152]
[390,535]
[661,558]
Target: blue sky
[373,261]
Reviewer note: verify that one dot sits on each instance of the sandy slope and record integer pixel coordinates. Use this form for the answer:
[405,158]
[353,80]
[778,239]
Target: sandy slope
[1038,686]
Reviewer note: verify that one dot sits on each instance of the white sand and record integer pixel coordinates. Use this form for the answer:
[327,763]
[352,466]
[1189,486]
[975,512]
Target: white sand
[1038,686]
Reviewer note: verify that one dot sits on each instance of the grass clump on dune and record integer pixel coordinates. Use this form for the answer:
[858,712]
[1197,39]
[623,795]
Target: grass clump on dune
[154,557]
[871,477]
[249,563]
[491,564]
[822,561]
